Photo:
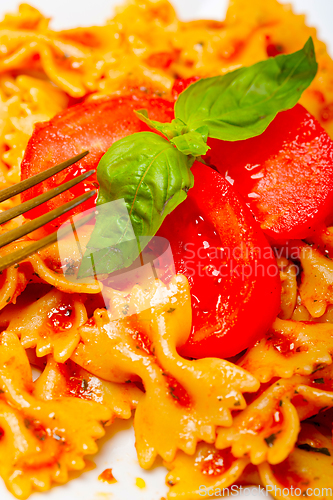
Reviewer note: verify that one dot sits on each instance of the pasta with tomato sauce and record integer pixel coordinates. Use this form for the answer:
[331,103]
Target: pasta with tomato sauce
[255,410]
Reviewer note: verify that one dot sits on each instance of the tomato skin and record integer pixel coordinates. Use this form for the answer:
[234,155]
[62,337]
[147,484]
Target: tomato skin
[181,84]
[285,175]
[92,126]
[233,309]
[291,194]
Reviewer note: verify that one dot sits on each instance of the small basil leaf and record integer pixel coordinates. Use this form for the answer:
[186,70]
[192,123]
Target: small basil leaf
[110,258]
[169,130]
[149,178]
[191,143]
[112,243]
[117,229]
[241,104]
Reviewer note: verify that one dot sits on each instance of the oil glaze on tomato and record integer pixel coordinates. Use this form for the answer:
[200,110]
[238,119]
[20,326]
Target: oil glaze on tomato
[234,280]
[285,175]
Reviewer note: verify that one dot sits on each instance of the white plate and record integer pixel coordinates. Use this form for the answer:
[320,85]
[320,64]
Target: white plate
[117,448]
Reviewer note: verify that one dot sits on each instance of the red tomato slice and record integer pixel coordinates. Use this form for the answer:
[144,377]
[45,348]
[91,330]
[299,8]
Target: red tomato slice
[285,175]
[234,279]
[92,126]
[181,84]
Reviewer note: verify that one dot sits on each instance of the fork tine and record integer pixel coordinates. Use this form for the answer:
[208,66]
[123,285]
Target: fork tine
[36,179]
[11,213]
[24,253]
[23,230]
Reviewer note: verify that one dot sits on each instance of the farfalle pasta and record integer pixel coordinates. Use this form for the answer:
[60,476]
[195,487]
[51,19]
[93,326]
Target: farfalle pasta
[41,440]
[314,446]
[306,472]
[105,351]
[209,470]
[50,324]
[175,412]
[290,347]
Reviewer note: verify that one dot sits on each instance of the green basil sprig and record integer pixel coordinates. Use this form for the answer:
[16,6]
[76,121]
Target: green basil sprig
[153,178]
[189,142]
[241,104]
[152,174]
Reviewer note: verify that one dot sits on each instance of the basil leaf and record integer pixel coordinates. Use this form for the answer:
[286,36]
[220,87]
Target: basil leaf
[149,174]
[106,260]
[148,177]
[170,130]
[191,143]
[112,244]
[241,104]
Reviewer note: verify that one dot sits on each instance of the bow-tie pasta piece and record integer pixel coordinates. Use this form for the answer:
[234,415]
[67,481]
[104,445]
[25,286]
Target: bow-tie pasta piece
[267,429]
[213,387]
[308,470]
[70,380]
[207,472]
[50,324]
[290,347]
[184,400]
[40,440]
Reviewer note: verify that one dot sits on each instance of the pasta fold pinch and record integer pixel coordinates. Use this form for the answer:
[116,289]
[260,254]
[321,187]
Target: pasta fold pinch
[267,429]
[184,400]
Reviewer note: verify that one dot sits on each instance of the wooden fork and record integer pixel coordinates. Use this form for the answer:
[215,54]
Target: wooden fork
[19,232]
